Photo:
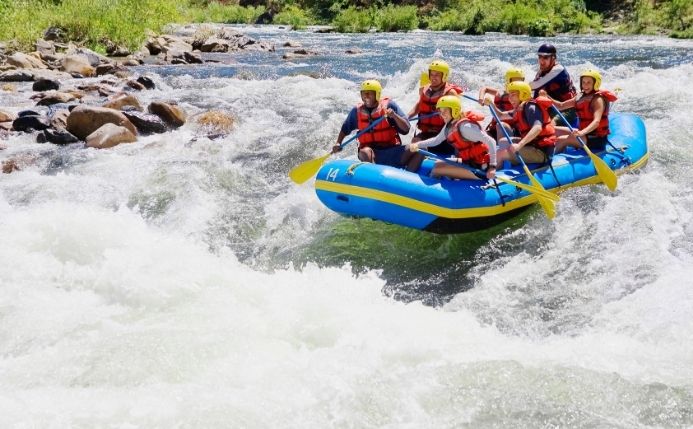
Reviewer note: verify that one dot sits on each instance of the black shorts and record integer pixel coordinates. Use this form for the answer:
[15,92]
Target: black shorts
[596,143]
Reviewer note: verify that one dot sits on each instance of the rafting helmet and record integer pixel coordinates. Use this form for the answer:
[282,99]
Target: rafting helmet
[546,49]
[513,73]
[440,66]
[594,74]
[451,102]
[372,85]
[523,89]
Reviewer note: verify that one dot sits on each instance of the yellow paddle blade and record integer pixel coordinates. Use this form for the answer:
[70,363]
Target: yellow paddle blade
[424,79]
[306,170]
[546,204]
[540,192]
[605,174]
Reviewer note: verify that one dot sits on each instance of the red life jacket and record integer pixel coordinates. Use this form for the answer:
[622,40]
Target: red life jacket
[547,136]
[583,108]
[503,102]
[380,136]
[469,151]
[427,105]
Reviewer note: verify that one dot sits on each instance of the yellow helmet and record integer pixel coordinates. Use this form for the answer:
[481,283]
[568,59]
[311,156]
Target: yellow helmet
[523,89]
[594,74]
[372,85]
[513,73]
[451,102]
[440,66]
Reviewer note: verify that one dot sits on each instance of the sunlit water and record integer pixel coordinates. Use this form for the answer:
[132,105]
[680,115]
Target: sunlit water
[187,282]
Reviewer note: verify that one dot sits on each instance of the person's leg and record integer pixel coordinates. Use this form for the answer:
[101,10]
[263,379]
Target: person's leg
[502,141]
[366,154]
[564,141]
[411,161]
[444,169]
[532,155]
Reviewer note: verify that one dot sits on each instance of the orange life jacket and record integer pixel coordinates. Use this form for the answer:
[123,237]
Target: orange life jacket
[583,108]
[469,151]
[547,136]
[503,104]
[427,105]
[381,135]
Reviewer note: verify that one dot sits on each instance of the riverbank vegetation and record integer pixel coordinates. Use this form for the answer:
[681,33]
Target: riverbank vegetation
[127,22]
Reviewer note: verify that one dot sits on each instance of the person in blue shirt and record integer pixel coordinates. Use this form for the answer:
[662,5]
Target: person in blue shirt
[381,144]
[553,79]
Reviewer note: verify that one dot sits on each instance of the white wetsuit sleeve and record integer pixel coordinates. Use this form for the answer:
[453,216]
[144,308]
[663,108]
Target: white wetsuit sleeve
[473,132]
[433,141]
[548,77]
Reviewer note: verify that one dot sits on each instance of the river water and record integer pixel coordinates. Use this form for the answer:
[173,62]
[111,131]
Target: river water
[187,282]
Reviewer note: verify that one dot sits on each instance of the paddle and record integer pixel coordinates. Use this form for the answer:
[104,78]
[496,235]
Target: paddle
[307,169]
[605,174]
[482,175]
[546,204]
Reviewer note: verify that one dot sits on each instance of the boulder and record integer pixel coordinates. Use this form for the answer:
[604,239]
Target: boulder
[76,63]
[216,121]
[120,100]
[146,123]
[84,120]
[6,117]
[54,97]
[16,76]
[25,61]
[109,135]
[59,136]
[171,114]
[45,85]
[30,123]
[147,82]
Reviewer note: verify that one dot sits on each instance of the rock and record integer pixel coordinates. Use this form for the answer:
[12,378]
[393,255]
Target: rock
[146,123]
[216,121]
[17,76]
[54,34]
[176,45]
[121,100]
[93,58]
[291,44]
[24,61]
[78,64]
[6,117]
[192,58]
[30,123]
[171,114]
[54,97]
[106,68]
[32,112]
[84,120]
[45,48]
[60,136]
[135,85]
[353,51]
[215,44]
[45,85]
[147,82]
[6,126]
[131,62]
[153,46]
[109,135]
[58,119]
[178,61]
[116,50]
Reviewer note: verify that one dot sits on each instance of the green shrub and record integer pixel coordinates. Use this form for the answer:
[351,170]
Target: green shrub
[225,13]
[293,16]
[352,20]
[397,18]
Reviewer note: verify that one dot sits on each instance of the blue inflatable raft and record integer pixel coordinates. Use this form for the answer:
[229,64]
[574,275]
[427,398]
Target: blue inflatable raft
[445,206]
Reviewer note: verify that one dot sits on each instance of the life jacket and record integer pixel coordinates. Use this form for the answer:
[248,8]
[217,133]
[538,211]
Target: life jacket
[583,108]
[547,136]
[559,88]
[381,135]
[427,105]
[503,104]
[469,151]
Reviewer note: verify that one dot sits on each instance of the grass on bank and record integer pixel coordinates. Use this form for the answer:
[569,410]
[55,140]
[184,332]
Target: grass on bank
[127,22]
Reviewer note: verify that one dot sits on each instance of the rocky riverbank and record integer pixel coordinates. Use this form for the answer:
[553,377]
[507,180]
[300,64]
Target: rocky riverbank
[79,96]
